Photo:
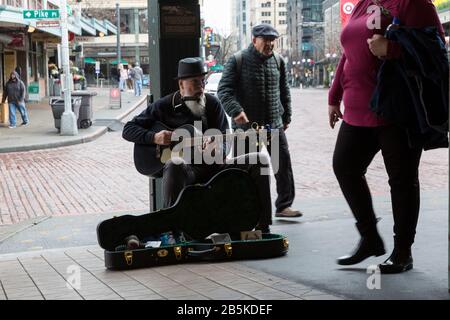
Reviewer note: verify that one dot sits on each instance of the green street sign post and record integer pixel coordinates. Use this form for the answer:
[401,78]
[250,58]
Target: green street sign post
[41,14]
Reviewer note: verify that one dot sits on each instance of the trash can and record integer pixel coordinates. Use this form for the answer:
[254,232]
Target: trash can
[86,112]
[57,105]
[55,88]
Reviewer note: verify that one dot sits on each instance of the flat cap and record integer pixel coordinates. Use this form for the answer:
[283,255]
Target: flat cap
[264,30]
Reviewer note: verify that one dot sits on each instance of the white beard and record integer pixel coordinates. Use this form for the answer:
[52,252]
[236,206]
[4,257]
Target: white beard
[197,107]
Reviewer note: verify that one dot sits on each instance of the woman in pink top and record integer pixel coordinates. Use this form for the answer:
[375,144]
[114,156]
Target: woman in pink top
[363,133]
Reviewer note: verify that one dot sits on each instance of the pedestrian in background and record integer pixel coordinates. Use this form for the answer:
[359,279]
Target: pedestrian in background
[15,93]
[254,88]
[123,77]
[137,75]
[130,80]
[363,133]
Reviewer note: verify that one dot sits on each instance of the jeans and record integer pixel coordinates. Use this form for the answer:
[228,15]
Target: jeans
[122,84]
[354,151]
[137,87]
[284,176]
[12,112]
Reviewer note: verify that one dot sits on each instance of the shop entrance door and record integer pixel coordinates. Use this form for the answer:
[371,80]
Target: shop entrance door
[10,63]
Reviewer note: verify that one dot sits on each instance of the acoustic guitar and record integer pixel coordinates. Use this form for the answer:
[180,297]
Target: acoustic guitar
[149,159]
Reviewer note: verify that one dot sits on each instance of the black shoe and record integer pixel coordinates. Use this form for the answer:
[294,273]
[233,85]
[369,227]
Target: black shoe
[399,261]
[366,248]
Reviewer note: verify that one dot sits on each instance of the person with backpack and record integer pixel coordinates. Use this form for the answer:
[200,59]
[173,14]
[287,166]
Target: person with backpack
[254,89]
[137,75]
[15,91]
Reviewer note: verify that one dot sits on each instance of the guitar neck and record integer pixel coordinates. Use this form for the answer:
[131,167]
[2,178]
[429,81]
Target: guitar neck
[199,140]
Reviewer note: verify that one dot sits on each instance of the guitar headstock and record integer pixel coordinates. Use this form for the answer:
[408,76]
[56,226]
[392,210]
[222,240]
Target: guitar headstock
[256,127]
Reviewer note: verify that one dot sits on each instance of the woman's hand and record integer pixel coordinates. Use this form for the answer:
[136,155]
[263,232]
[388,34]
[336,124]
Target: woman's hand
[334,114]
[378,45]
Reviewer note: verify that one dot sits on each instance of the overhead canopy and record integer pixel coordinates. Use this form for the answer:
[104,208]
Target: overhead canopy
[89,60]
[217,67]
[121,61]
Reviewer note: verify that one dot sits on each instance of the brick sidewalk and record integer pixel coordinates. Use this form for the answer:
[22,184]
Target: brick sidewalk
[47,276]
[99,177]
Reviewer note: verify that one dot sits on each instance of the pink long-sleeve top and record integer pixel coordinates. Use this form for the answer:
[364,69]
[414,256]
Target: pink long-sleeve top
[356,75]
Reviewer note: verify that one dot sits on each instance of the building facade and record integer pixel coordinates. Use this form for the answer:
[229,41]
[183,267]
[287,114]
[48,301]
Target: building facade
[27,46]
[133,38]
[305,41]
[248,13]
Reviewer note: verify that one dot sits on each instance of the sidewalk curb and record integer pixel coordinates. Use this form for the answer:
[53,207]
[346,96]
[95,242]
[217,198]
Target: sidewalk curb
[27,226]
[126,113]
[78,140]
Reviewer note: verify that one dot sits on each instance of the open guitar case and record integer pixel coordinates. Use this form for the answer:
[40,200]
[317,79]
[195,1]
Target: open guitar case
[228,203]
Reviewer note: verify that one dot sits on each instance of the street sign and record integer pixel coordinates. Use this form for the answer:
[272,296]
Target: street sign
[97,66]
[84,39]
[48,24]
[115,98]
[41,14]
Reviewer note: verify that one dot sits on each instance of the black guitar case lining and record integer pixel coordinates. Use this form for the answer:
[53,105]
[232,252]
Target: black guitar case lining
[228,203]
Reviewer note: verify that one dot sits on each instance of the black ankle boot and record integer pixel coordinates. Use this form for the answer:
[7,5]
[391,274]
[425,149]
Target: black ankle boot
[400,261]
[370,244]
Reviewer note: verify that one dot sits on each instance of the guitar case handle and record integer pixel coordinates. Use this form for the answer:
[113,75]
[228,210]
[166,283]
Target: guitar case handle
[208,253]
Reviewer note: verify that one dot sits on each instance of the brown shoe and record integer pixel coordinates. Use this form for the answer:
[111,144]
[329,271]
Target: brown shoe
[288,213]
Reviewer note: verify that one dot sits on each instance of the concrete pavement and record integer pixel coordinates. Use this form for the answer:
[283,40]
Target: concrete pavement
[42,134]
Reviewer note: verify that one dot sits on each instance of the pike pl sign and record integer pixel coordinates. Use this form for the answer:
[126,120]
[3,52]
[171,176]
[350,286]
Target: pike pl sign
[41,14]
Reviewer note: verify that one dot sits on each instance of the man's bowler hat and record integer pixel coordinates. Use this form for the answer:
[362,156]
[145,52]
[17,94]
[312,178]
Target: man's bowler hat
[264,30]
[191,67]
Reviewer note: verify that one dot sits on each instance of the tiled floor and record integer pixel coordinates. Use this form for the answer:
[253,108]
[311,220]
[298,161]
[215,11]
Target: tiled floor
[79,273]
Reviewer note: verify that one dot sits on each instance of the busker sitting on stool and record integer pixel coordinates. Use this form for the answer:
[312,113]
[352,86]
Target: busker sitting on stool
[186,106]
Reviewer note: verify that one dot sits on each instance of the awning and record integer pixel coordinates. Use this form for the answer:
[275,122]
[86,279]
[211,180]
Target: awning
[125,63]
[217,67]
[89,60]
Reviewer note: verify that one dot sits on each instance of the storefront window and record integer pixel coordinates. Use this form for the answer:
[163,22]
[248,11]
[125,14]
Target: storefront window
[143,21]
[40,60]
[14,3]
[35,4]
[127,21]
[32,71]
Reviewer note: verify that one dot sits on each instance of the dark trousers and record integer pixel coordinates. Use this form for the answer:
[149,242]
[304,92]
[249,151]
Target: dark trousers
[177,175]
[355,150]
[284,175]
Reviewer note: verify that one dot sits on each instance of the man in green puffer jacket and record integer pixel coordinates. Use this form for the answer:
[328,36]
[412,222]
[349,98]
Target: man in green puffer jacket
[254,88]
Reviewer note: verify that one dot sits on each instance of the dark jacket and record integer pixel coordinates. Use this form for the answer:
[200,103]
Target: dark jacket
[163,110]
[260,90]
[14,90]
[413,91]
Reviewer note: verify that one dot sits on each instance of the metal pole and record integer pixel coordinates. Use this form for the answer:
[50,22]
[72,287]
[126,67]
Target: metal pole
[136,35]
[68,118]
[119,53]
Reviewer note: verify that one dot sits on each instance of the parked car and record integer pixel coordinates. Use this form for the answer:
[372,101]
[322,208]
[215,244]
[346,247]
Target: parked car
[212,82]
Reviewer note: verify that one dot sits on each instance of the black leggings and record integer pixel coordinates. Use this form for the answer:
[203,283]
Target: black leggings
[355,149]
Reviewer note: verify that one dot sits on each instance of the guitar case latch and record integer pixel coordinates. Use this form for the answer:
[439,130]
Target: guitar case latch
[128,257]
